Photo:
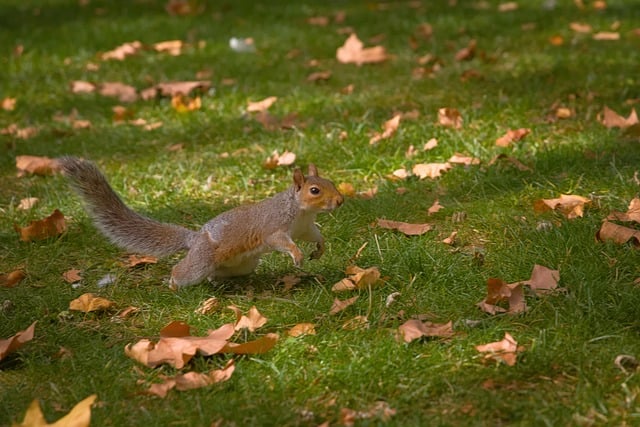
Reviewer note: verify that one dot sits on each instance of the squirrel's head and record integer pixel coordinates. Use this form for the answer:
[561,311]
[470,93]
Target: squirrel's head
[315,193]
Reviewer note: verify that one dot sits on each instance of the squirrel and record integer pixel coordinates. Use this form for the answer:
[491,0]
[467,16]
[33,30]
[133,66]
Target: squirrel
[230,244]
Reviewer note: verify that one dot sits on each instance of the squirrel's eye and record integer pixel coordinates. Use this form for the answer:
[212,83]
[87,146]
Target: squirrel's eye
[314,190]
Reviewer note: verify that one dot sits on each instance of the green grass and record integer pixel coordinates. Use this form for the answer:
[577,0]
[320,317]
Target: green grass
[565,374]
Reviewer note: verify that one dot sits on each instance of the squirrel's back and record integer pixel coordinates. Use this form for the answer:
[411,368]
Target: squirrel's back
[123,226]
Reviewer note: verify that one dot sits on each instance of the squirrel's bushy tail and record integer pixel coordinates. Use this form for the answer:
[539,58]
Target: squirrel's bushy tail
[123,226]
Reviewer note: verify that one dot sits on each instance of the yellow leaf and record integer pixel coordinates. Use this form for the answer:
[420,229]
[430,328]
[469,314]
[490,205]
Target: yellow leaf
[79,416]
[89,302]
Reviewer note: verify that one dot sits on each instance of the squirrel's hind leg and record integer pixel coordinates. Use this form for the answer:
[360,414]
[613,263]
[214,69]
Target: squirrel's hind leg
[198,265]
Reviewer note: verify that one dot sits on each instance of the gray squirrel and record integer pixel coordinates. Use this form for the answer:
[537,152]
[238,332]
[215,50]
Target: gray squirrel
[230,244]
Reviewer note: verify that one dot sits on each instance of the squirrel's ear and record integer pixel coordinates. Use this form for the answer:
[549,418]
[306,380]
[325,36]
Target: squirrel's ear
[298,178]
[313,171]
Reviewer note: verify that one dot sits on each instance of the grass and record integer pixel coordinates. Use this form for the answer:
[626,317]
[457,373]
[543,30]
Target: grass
[566,373]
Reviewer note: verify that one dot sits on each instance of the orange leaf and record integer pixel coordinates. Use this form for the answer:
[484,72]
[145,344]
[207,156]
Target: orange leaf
[124,93]
[79,416]
[338,305]
[512,136]
[450,117]
[51,226]
[8,104]
[430,170]
[263,105]
[10,345]
[80,86]
[632,214]
[611,119]
[435,207]
[302,329]
[319,75]
[36,165]
[413,329]
[183,104]
[354,52]
[89,302]
[252,321]
[618,234]
[259,346]
[192,380]
[571,206]
[10,280]
[499,291]
[72,276]
[543,280]
[467,53]
[172,47]
[404,227]
[390,127]
[285,159]
[135,260]
[504,350]
[28,203]
[122,51]
[175,329]
[463,160]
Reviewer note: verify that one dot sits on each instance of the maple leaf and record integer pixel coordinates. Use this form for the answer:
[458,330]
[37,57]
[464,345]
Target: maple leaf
[339,305]
[430,170]
[632,214]
[390,128]
[79,416]
[51,226]
[404,227]
[285,159]
[504,350]
[13,343]
[611,119]
[175,329]
[450,117]
[258,346]
[463,160]
[90,302]
[619,234]
[183,104]
[467,53]
[413,329]
[358,278]
[11,279]
[451,240]
[263,105]
[512,136]
[515,162]
[36,165]
[543,280]
[354,52]
[498,291]
[72,276]
[122,51]
[302,329]
[571,206]
[192,380]
[124,92]
[252,321]
[136,260]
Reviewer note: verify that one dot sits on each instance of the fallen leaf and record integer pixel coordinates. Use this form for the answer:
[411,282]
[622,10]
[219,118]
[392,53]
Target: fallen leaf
[632,214]
[36,165]
[580,27]
[512,136]
[183,104]
[358,322]
[468,52]
[407,228]
[450,117]
[285,159]
[430,144]
[175,329]
[319,75]
[339,305]
[72,276]
[183,7]
[171,89]
[354,52]
[122,51]
[430,170]
[563,113]
[124,93]
[435,207]
[508,6]
[390,128]
[451,240]
[79,416]
[463,160]
[80,86]
[192,380]
[136,260]
[208,306]
[51,226]
[263,105]
[13,343]
[302,329]
[126,312]
[321,21]
[606,35]
[89,302]
[571,206]
[28,203]
[258,346]
[252,321]
[504,350]
[172,47]
[556,40]
[619,234]
[515,162]
[413,329]
[10,280]
[543,280]
[20,133]
[8,104]
[499,291]
[391,298]
[611,119]
[358,278]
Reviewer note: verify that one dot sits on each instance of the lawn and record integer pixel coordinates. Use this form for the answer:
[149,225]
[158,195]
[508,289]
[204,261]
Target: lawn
[550,67]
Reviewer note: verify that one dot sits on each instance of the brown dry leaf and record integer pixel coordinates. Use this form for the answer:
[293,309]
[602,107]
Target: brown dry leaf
[354,52]
[183,104]
[319,75]
[72,276]
[515,162]
[358,322]
[259,346]
[618,234]
[79,416]
[413,329]
[508,6]
[89,302]
[404,227]
[611,119]
[36,165]
[276,159]
[504,350]
[208,306]
[512,136]
[80,86]
[430,144]
[302,329]
[463,160]
[321,21]
[499,291]
[450,117]
[435,207]
[8,104]
[124,93]
[122,51]
[263,105]
[20,133]
[289,281]
[390,128]
[451,240]
[192,380]
[184,7]
[13,343]
[543,280]
[359,278]
[175,329]
[606,35]
[10,280]
[571,206]
[27,203]
[135,260]
[339,305]
[272,123]
[172,47]
[126,312]
[632,214]
[252,321]
[171,89]
[467,53]
[556,40]
[563,113]
[430,170]
[51,226]
[580,27]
